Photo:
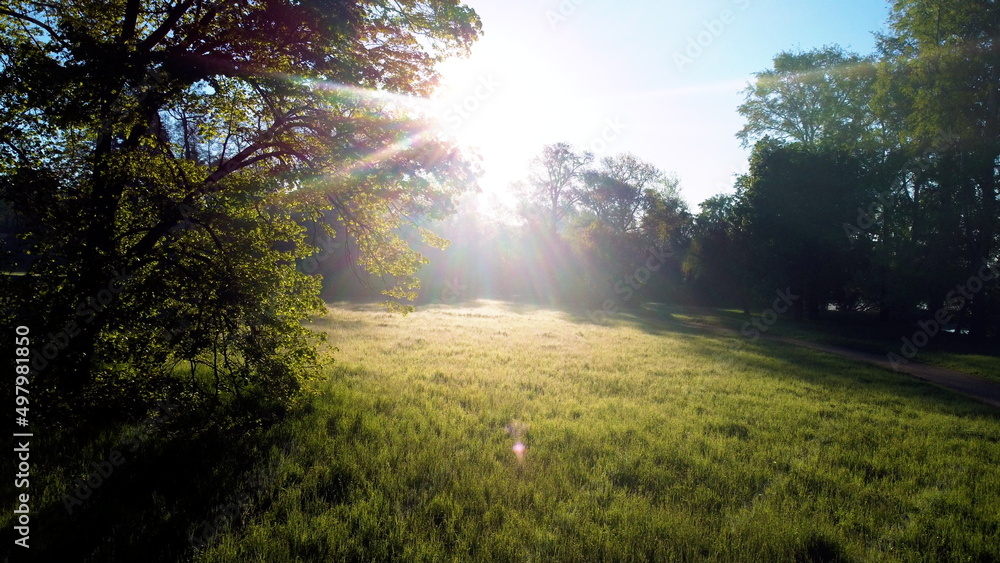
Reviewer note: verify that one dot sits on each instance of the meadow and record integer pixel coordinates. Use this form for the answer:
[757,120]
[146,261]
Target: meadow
[643,441]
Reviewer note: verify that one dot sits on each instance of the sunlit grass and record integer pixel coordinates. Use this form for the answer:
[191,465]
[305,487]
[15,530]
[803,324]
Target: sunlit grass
[643,441]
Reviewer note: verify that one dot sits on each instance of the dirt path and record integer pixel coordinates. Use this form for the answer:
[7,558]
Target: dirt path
[974,386]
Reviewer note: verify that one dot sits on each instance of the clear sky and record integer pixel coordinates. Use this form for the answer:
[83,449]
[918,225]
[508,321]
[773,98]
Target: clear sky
[660,79]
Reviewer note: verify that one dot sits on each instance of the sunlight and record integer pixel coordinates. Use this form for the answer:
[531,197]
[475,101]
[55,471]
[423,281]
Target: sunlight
[499,105]
[502,103]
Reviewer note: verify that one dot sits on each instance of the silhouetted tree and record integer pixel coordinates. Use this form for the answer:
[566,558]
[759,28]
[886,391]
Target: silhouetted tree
[554,185]
[168,151]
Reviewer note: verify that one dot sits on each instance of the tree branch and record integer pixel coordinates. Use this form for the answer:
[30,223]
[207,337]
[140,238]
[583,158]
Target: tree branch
[129,20]
[172,18]
[33,21]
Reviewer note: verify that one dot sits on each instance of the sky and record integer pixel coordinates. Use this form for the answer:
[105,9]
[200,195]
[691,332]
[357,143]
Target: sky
[660,79]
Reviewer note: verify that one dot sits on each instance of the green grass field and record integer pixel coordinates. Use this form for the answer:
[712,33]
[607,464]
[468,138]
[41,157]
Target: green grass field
[858,333]
[643,442]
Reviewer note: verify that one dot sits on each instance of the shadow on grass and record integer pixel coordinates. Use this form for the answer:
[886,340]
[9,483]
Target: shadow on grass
[869,383]
[148,508]
[654,320]
[850,380]
[859,331]
[864,382]
[159,504]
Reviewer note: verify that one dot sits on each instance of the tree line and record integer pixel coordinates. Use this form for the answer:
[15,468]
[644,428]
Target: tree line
[873,179]
[872,187]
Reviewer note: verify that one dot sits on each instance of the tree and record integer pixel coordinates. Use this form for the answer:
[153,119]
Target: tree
[812,97]
[717,264]
[165,154]
[629,209]
[553,187]
[939,79]
[794,203]
[621,191]
[916,130]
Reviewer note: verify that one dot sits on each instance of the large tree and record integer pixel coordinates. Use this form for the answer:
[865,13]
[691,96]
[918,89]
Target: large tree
[554,185]
[717,264]
[629,209]
[621,191]
[165,155]
[939,78]
[812,97]
[794,202]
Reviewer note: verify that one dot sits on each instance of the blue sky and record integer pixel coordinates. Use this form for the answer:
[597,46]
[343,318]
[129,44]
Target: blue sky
[658,79]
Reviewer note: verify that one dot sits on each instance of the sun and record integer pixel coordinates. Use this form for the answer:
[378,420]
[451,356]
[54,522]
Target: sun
[504,105]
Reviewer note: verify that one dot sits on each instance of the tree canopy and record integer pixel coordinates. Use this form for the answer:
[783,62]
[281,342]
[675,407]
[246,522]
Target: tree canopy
[899,147]
[176,149]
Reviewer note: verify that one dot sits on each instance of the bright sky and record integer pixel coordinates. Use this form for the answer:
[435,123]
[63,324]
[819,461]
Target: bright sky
[613,76]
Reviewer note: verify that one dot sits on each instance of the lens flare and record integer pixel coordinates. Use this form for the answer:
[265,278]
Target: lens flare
[519,451]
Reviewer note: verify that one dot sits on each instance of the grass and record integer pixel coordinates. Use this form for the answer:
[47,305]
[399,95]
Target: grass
[858,333]
[643,442]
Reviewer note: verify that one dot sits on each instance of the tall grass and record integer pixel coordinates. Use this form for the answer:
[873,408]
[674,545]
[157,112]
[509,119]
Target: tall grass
[643,442]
